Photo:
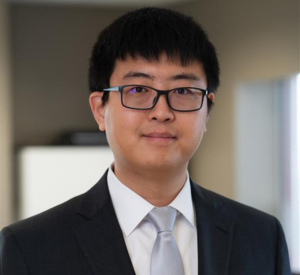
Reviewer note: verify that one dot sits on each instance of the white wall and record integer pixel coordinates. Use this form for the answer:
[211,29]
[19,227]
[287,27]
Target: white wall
[259,142]
[5,121]
[70,170]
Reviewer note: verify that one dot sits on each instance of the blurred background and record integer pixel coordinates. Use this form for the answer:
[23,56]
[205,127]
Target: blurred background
[49,146]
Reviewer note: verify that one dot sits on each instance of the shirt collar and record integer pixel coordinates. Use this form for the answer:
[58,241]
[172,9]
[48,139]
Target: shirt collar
[184,204]
[125,203]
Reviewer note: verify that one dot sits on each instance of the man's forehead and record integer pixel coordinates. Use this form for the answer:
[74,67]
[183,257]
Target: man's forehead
[178,76]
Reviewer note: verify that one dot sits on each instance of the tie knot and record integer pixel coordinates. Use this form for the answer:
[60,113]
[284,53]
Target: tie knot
[163,218]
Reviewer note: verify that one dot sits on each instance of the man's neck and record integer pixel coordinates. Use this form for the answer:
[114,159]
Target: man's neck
[159,187]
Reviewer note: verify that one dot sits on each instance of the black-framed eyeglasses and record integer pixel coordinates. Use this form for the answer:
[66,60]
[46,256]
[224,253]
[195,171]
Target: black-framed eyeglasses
[139,97]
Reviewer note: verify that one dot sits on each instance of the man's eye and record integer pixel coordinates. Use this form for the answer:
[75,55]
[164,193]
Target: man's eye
[181,91]
[135,90]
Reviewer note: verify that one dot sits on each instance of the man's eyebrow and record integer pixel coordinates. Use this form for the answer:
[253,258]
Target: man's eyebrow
[186,76]
[133,74]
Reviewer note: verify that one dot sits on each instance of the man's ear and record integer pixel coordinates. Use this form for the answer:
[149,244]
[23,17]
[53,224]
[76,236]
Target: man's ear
[98,109]
[211,96]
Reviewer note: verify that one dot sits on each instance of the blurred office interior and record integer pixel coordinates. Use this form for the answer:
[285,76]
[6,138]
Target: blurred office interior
[251,152]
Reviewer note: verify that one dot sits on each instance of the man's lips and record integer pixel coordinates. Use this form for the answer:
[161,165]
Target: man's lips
[158,135]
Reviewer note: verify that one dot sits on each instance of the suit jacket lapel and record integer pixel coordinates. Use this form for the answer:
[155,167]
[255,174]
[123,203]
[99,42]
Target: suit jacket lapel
[215,233]
[101,239]
[99,234]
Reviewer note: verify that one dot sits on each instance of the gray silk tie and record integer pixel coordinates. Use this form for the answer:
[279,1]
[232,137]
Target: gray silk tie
[165,258]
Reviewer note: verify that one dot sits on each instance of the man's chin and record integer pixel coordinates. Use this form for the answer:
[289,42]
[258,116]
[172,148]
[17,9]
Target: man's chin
[164,165]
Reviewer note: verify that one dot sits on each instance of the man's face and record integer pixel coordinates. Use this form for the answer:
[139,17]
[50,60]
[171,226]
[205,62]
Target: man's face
[159,138]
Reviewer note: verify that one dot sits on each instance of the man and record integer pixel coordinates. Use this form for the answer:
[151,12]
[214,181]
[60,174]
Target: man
[153,79]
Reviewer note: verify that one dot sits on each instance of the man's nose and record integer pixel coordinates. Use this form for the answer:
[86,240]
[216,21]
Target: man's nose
[161,111]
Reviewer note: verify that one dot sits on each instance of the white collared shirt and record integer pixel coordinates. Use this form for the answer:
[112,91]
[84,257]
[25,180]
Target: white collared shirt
[139,234]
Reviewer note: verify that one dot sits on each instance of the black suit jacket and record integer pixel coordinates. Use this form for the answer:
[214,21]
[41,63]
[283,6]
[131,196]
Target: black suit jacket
[82,236]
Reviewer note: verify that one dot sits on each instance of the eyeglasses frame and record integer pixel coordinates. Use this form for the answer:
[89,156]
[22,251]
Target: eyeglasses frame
[159,93]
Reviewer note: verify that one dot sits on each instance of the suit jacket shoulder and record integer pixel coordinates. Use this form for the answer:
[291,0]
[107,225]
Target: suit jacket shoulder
[230,207]
[247,241]
[80,236]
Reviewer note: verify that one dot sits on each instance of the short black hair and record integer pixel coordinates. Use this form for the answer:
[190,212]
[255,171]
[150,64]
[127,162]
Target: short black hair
[147,33]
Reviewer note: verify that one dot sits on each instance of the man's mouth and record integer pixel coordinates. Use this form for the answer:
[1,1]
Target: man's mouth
[160,136]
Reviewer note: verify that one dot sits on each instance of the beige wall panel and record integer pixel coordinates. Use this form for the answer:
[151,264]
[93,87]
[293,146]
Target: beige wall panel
[5,122]
[52,47]
[255,40]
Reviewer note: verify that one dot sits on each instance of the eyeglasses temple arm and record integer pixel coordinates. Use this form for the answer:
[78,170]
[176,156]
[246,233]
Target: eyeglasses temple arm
[112,89]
